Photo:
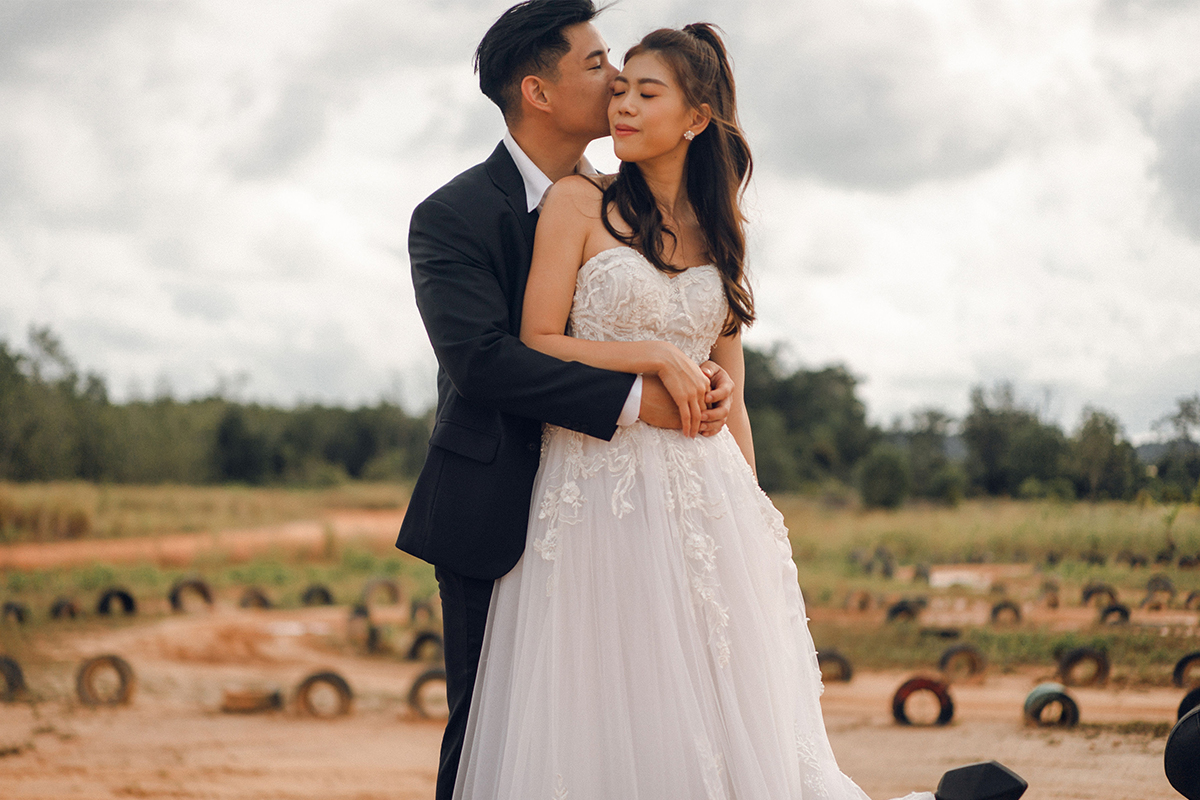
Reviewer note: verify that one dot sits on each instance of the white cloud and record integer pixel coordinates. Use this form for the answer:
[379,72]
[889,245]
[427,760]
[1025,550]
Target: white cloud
[947,194]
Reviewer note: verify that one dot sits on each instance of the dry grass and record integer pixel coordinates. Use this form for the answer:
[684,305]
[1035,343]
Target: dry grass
[987,530]
[55,511]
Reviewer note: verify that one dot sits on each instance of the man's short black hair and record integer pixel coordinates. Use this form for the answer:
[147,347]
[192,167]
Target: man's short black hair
[528,39]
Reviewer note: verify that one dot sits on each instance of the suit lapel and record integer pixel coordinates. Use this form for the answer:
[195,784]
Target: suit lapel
[504,173]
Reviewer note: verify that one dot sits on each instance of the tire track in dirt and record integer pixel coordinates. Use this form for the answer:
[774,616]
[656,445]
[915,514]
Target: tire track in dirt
[181,549]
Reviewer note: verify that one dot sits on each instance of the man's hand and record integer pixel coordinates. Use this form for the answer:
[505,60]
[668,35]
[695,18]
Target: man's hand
[660,410]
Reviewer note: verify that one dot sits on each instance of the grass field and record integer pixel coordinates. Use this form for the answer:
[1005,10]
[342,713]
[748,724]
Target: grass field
[57,511]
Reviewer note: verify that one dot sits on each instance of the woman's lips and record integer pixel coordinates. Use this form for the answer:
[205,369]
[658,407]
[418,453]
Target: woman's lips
[623,130]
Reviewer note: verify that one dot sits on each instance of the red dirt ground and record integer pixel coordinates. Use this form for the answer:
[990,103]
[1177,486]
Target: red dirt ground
[172,742]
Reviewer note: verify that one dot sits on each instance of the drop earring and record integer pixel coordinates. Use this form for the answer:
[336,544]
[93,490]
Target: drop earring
[689,135]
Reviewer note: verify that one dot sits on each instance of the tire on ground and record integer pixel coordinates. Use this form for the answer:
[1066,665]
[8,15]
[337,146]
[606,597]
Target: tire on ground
[1050,593]
[1180,760]
[834,666]
[194,585]
[361,631]
[1182,676]
[428,646]
[1160,583]
[104,606]
[1104,594]
[1043,697]
[304,694]
[317,595]
[418,695]
[423,612]
[254,597]
[920,684]
[962,659]
[1115,614]
[1006,612]
[389,587]
[1079,656]
[904,611]
[17,612]
[13,677]
[251,701]
[85,681]
[942,633]
[859,601]
[64,608]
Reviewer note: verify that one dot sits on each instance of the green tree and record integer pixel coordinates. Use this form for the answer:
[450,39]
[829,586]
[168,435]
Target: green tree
[1006,444]
[813,423]
[1104,462]
[884,479]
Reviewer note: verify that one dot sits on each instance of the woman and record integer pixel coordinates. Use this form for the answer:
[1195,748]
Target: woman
[652,641]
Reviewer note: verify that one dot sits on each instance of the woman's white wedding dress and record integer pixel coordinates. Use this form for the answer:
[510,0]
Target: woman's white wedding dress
[652,642]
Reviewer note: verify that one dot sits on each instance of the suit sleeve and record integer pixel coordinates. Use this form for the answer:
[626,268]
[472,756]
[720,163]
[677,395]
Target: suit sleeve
[466,314]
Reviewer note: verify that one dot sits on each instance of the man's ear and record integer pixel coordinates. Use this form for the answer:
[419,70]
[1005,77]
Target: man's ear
[700,118]
[533,93]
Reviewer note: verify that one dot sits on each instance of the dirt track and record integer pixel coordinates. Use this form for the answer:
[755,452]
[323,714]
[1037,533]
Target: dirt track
[171,742]
[181,549]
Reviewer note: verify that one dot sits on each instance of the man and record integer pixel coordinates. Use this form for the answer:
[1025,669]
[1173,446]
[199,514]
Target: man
[470,242]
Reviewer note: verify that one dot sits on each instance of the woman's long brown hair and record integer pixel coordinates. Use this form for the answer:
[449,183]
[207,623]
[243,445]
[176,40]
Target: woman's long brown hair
[717,170]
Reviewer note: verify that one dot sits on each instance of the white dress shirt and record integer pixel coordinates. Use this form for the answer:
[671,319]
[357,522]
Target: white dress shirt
[536,186]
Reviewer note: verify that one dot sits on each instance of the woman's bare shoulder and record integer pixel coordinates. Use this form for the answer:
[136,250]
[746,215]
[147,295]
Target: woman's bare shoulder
[574,194]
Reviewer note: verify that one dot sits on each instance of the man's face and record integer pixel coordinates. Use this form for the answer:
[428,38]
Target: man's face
[581,93]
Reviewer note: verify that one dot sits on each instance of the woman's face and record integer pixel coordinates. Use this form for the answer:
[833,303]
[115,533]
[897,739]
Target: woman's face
[647,114]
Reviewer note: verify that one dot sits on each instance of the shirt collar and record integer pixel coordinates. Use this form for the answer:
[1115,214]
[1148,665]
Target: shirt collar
[536,182]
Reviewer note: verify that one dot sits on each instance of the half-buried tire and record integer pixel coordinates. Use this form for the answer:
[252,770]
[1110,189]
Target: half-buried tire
[962,661]
[1083,666]
[254,597]
[1049,705]
[1187,671]
[428,646]
[835,667]
[93,682]
[1181,759]
[1102,593]
[904,611]
[427,697]
[116,595]
[917,685]
[185,586]
[1115,614]
[64,608]
[14,679]
[1006,612]
[317,595]
[313,695]
[14,611]
[388,587]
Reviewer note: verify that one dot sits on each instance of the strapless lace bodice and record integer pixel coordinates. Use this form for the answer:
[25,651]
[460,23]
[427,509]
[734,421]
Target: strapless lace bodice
[622,297]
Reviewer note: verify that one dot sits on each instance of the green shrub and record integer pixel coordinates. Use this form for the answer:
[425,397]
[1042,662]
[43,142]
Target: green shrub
[884,478]
[948,484]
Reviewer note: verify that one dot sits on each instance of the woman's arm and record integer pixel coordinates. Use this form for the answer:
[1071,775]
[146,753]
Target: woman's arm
[569,217]
[728,353]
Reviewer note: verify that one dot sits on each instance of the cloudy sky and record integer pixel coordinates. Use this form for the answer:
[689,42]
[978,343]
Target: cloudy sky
[948,194]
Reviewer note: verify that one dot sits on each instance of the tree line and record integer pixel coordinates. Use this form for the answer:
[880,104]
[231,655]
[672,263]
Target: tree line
[810,431]
[59,424]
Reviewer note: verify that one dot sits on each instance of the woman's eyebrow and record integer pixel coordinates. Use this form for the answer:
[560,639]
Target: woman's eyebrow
[640,81]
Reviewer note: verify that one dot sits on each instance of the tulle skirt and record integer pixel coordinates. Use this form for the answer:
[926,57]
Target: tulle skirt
[652,641]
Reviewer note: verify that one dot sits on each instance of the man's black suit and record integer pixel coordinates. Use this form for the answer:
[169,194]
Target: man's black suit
[470,245]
